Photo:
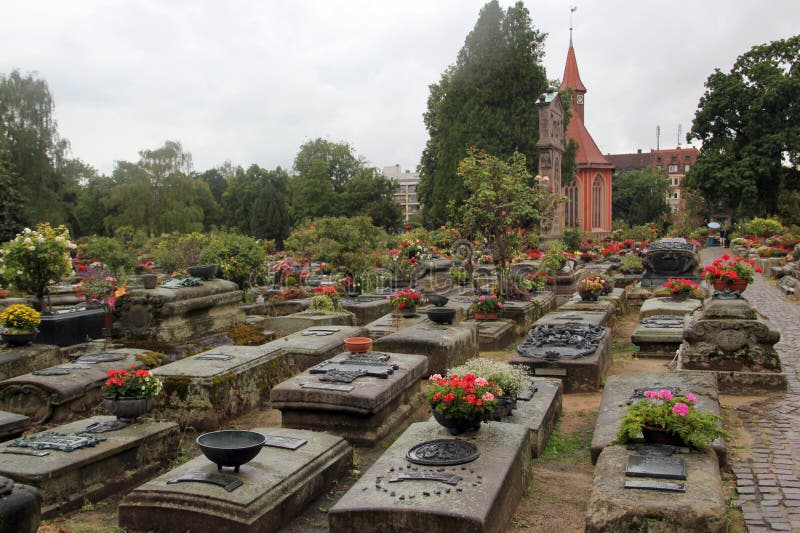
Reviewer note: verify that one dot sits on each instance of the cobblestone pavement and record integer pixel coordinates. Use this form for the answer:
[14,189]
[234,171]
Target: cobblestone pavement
[769,483]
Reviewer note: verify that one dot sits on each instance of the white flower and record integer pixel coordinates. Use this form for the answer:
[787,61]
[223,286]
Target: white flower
[40,239]
[27,240]
[31,248]
[71,245]
[26,230]
[59,238]
[19,272]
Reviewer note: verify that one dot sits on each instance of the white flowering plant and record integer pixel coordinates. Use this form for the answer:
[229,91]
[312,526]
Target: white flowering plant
[36,258]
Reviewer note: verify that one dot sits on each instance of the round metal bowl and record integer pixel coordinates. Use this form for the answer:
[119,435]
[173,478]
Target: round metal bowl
[441,315]
[204,272]
[230,447]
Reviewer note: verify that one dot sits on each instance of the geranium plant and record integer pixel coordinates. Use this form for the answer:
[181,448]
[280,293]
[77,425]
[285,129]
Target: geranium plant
[677,415]
[463,397]
[592,283]
[20,318]
[459,274]
[730,270]
[131,383]
[487,303]
[404,299]
[510,379]
[680,286]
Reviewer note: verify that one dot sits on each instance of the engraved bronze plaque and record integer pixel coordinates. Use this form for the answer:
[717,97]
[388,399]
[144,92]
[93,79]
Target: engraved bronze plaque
[227,482]
[425,475]
[561,341]
[215,357]
[51,372]
[443,452]
[657,467]
[56,441]
[327,386]
[337,371]
[103,357]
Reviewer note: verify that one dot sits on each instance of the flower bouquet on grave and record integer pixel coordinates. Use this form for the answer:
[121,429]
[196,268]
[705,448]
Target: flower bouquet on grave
[405,301]
[461,403]
[730,273]
[661,415]
[591,287]
[681,288]
[486,307]
[130,393]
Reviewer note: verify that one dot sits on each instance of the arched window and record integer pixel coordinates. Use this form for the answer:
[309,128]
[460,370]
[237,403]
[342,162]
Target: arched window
[597,202]
[571,209]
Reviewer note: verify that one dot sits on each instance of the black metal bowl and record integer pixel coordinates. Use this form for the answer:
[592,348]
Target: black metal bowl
[441,315]
[230,447]
[204,272]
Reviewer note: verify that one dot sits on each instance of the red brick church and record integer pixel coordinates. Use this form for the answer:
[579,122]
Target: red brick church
[588,195]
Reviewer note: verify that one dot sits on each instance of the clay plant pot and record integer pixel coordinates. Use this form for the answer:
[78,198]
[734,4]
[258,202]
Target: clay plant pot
[358,344]
[479,315]
[3,293]
[739,285]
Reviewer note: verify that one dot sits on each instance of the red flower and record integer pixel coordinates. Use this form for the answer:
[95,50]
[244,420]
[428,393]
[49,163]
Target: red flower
[449,397]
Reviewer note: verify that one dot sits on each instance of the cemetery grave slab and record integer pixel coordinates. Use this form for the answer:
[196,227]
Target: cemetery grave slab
[24,359]
[522,313]
[73,327]
[576,304]
[658,336]
[203,390]
[543,303]
[669,306]
[612,507]
[289,324]
[275,486]
[540,413]
[12,425]
[118,462]
[493,334]
[62,392]
[367,310]
[619,389]
[580,367]
[363,410]
[390,323]
[619,297]
[425,500]
[314,345]
[444,346]
[559,316]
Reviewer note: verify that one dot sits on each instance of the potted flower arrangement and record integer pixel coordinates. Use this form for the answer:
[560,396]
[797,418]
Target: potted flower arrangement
[668,419]
[325,299]
[461,403]
[486,307]
[130,393]
[459,275]
[590,287]
[680,288]
[730,273]
[97,284]
[20,324]
[405,301]
[510,379]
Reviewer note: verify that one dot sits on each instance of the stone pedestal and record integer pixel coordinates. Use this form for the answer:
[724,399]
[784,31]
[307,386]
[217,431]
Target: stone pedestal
[177,315]
[20,507]
[12,425]
[23,359]
[482,500]
[619,389]
[278,484]
[620,300]
[206,389]
[314,345]
[444,346]
[286,325]
[73,327]
[543,303]
[65,479]
[729,338]
[540,413]
[71,391]
[659,336]
[364,411]
[615,508]
[669,306]
[566,285]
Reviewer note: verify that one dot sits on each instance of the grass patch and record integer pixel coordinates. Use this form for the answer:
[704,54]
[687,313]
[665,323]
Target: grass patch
[568,448]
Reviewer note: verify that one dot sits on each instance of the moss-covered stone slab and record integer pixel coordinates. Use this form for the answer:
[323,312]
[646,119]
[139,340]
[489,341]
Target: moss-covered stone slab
[494,335]
[276,485]
[206,389]
[24,359]
[364,411]
[314,345]
[444,346]
[66,479]
[560,316]
[391,323]
[613,508]
[669,306]
[619,389]
[522,313]
[483,500]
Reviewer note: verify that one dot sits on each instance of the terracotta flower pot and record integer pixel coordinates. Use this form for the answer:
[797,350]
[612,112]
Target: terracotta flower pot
[739,285]
[480,315]
[358,344]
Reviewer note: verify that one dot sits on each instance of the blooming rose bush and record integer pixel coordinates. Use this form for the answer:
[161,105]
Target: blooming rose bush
[675,414]
[463,397]
[131,383]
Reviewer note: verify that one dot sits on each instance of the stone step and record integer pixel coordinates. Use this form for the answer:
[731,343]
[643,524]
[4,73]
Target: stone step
[277,485]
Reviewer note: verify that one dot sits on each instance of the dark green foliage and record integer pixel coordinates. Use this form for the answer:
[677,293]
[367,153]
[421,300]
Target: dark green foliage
[107,250]
[639,196]
[257,203]
[487,100]
[749,123]
[236,255]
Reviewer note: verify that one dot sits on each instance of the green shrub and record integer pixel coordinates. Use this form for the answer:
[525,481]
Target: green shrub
[107,250]
[175,251]
[237,256]
[763,227]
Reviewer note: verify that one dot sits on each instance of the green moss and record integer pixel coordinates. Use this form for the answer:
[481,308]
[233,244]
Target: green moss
[179,385]
[152,359]
[246,335]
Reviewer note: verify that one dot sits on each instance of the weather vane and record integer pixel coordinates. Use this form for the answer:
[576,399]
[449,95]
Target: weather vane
[572,10]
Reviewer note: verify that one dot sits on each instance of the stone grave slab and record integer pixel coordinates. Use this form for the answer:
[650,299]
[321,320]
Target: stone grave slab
[12,425]
[314,345]
[286,325]
[206,389]
[125,458]
[445,346]
[669,306]
[619,389]
[73,327]
[366,310]
[24,359]
[578,374]
[637,296]
[576,304]
[483,498]
[540,413]
[177,315]
[275,486]
[623,280]
[389,323]
[543,303]
[522,313]
[285,307]
[592,318]
[619,297]
[612,507]
[363,410]
[494,335]
[64,392]
[659,336]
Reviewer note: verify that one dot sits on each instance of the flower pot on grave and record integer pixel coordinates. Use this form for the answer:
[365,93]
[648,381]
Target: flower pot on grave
[657,435]
[481,315]
[738,286]
[441,315]
[358,344]
[457,425]
[505,407]
[149,281]
[589,296]
[19,339]
[128,408]
[406,312]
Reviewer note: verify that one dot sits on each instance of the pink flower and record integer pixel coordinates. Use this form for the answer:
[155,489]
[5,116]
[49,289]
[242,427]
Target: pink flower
[482,297]
[691,397]
[650,394]
[481,382]
[435,377]
[680,409]
[665,394]
[502,213]
[487,396]
[500,305]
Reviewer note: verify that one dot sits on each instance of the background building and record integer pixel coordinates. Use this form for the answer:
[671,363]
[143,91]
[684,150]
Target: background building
[406,192]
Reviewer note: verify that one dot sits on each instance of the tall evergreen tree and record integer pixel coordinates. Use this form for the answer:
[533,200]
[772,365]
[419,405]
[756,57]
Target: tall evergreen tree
[486,100]
[256,202]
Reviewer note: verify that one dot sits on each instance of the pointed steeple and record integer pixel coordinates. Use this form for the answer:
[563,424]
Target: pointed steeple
[572,77]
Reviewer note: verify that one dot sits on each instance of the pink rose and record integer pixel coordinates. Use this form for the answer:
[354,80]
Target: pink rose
[650,394]
[482,297]
[500,305]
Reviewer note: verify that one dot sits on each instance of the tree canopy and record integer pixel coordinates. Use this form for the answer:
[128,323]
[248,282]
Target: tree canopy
[639,196]
[749,123]
[487,100]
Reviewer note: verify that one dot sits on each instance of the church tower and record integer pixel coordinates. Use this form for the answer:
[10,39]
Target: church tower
[551,152]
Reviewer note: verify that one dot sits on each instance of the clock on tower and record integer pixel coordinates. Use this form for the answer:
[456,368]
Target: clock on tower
[579,99]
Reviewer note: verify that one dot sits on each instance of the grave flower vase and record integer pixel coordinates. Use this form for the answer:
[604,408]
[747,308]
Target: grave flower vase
[738,286]
[657,435]
[481,315]
[459,425]
[128,408]
[19,339]
[407,312]
[588,296]
[149,281]
[680,296]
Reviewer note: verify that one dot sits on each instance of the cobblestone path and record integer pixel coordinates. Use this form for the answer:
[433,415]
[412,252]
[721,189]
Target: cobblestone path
[769,483]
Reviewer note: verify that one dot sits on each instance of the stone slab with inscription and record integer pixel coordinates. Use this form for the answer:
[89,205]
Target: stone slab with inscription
[18,360]
[363,411]
[482,500]
[444,346]
[316,344]
[278,484]
[289,324]
[658,335]
[669,306]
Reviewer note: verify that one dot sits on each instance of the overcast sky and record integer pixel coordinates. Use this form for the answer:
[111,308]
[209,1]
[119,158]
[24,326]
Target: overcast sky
[250,81]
